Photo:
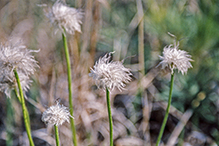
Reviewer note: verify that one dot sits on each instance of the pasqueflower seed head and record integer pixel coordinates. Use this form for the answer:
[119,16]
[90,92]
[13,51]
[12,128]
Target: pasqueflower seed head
[56,115]
[62,16]
[15,56]
[110,74]
[175,59]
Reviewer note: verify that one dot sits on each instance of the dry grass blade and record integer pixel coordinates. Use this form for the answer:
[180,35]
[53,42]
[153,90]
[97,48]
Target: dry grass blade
[130,141]
[179,127]
[140,38]
[145,125]
[86,27]
[42,134]
[95,31]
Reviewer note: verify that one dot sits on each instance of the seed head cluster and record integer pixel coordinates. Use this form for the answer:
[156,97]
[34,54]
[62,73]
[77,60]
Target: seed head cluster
[62,16]
[56,115]
[175,59]
[15,56]
[110,74]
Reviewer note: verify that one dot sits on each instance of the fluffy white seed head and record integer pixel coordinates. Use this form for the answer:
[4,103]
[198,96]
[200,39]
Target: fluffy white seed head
[110,74]
[56,115]
[62,16]
[15,56]
[175,59]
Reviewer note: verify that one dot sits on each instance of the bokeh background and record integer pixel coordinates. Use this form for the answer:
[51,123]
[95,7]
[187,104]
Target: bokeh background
[137,30]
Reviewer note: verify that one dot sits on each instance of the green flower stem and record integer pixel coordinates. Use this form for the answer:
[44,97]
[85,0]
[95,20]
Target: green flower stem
[19,98]
[110,117]
[69,89]
[167,111]
[24,109]
[57,135]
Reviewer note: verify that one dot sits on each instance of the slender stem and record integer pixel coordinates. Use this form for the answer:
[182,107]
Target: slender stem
[19,98]
[167,111]
[69,89]
[110,117]
[24,109]
[57,135]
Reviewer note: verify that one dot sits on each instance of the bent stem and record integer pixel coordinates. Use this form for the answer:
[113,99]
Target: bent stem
[57,135]
[74,138]
[167,111]
[110,117]
[24,109]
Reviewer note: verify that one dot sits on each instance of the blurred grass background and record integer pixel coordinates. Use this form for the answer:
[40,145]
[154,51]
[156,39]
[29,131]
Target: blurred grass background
[136,30]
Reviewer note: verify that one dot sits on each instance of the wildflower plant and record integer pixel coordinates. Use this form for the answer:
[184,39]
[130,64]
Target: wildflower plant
[15,56]
[65,18]
[17,64]
[173,58]
[56,115]
[68,20]
[109,75]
